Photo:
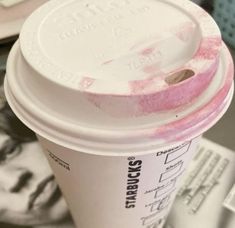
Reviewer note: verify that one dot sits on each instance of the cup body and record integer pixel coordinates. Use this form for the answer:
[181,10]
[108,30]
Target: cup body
[126,191]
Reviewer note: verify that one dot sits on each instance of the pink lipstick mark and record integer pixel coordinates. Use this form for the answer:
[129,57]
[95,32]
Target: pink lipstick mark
[209,48]
[140,85]
[147,51]
[175,95]
[152,69]
[184,31]
[86,82]
[201,118]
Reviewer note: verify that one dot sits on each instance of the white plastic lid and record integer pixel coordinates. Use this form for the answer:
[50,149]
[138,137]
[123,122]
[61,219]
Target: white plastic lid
[110,70]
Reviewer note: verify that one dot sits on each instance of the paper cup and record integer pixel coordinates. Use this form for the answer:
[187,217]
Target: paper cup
[119,93]
[132,190]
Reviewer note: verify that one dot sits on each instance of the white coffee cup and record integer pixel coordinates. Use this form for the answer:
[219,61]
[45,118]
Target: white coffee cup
[119,93]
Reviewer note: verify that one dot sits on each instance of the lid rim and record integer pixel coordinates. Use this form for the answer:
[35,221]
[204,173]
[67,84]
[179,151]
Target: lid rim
[117,147]
[100,134]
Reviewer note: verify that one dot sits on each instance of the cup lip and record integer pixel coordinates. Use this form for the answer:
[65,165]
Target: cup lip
[104,141]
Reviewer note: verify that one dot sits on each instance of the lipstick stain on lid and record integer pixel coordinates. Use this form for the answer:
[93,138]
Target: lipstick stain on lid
[173,96]
[86,82]
[147,51]
[140,85]
[153,68]
[184,31]
[200,118]
[209,48]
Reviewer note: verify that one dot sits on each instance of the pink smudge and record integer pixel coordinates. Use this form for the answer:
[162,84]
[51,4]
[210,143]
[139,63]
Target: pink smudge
[147,51]
[197,123]
[175,95]
[117,106]
[151,69]
[184,31]
[209,48]
[200,119]
[86,82]
[140,102]
[140,85]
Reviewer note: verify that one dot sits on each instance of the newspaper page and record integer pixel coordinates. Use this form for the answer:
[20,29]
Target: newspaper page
[29,194]
[206,198]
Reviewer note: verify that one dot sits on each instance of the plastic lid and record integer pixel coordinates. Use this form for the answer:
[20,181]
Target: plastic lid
[116,65]
[117,47]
